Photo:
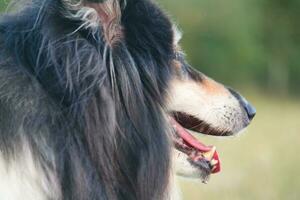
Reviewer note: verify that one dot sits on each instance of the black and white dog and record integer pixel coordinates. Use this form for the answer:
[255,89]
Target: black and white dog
[95,94]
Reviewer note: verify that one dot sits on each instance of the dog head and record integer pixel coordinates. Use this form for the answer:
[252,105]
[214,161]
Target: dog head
[200,104]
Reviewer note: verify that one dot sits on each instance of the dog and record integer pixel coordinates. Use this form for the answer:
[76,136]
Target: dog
[96,99]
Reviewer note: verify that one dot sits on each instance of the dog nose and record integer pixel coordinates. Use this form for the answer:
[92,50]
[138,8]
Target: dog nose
[250,110]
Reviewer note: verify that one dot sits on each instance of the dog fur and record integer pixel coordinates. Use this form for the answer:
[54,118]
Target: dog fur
[85,91]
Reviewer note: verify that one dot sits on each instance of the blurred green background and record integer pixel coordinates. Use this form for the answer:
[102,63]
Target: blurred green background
[253,46]
[243,42]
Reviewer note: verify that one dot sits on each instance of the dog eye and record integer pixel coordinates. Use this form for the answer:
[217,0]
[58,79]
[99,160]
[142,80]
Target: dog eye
[178,55]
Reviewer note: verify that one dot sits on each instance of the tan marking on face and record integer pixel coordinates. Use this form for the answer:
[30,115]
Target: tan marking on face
[213,88]
[176,64]
[209,102]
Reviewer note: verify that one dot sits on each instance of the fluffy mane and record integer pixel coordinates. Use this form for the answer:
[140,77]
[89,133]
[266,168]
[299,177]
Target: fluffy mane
[89,94]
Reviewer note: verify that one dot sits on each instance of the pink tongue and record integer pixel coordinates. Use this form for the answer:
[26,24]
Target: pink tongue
[192,141]
[188,138]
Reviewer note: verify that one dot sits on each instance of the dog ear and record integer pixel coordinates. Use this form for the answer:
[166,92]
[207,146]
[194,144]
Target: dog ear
[95,14]
[109,18]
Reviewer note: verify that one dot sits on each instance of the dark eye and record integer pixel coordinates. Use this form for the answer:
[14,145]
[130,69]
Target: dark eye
[178,55]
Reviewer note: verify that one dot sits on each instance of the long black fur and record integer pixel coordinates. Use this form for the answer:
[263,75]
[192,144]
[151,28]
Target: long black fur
[92,113]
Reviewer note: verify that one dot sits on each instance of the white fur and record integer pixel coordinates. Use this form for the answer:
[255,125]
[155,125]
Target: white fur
[221,110]
[177,35]
[22,178]
[182,167]
[210,102]
[87,15]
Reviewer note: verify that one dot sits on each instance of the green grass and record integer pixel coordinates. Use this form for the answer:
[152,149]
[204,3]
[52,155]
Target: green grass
[263,163]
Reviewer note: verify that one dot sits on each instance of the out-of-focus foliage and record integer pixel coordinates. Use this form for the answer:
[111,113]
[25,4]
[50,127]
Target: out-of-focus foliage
[3,4]
[242,42]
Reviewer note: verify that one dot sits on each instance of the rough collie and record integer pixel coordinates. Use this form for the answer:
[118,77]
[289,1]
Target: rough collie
[95,101]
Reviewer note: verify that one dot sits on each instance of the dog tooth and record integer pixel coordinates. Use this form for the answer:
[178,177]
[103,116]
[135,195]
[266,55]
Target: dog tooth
[209,155]
[213,162]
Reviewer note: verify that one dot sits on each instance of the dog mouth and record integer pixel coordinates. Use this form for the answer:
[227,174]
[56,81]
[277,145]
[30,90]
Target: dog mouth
[201,156]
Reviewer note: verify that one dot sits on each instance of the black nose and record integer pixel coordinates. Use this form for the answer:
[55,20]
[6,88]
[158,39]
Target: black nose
[251,111]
